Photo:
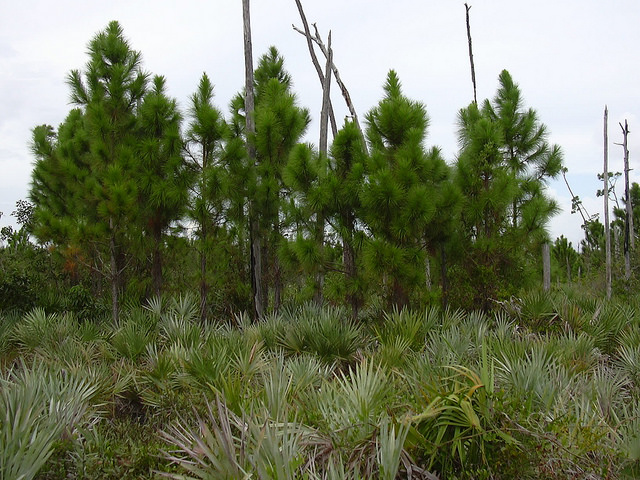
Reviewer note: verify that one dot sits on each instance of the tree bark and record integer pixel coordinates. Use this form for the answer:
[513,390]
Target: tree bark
[546,267]
[323,150]
[115,275]
[204,287]
[156,261]
[257,283]
[444,279]
[326,103]
[607,234]
[349,261]
[629,242]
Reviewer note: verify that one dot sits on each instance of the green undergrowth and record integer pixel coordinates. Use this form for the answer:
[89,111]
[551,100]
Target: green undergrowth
[546,386]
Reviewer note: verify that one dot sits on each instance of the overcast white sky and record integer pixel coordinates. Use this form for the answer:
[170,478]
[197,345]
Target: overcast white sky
[570,58]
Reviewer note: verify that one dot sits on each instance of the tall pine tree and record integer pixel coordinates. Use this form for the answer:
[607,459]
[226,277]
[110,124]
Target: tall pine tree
[96,152]
[205,142]
[403,193]
[162,174]
[502,170]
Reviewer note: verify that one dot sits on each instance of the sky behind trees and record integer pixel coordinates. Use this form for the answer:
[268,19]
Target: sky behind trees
[569,58]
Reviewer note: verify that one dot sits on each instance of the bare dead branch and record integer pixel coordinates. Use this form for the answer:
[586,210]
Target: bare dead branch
[326,102]
[336,74]
[314,60]
[473,70]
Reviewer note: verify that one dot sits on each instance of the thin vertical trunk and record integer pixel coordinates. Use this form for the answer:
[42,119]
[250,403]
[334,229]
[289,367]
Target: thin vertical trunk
[607,235]
[326,102]
[257,282]
[400,296]
[323,149]
[156,261]
[443,278]
[204,234]
[349,260]
[204,287]
[629,242]
[546,267]
[115,275]
[278,285]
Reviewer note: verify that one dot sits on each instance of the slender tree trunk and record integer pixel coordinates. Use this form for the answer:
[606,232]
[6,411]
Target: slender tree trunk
[629,242]
[443,278]
[400,297]
[326,103]
[607,233]
[546,267]
[204,287]
[115,275]
[323,148]
[257,282]
[349,260]
[473,70]
[278,285]
[156,261]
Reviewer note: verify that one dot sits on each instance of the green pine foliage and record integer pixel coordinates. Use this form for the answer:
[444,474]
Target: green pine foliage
[163,177]
[403,195]
[502,170]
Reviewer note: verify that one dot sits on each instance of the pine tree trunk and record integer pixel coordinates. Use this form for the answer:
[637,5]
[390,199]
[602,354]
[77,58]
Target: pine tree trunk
[400,297]
[156,261]
[349,260]
[257,281]
[444,279]
[546,267]
[115,275]
[278,285]
[319,280]
[323,149]
[204,287]
[607,233]
[628,224]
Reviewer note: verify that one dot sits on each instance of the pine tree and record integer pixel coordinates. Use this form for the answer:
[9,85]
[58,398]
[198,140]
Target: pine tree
[163,177]
[280,124]
[205,140]
[304,210]
[96,151]
[524,146]
[344,185]
[403,192]
[502,170]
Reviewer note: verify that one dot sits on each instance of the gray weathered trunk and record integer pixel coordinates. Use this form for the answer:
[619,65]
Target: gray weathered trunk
[629,242]
[257,282]
[607,233]
[546,267]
